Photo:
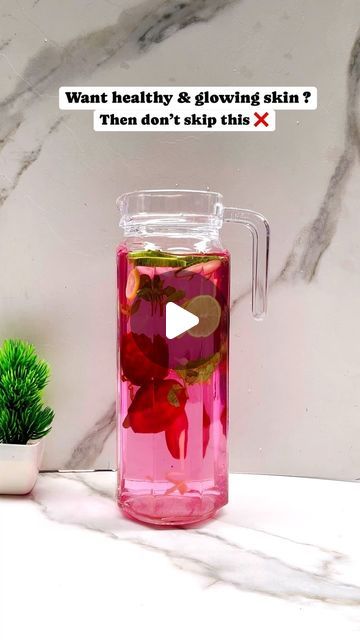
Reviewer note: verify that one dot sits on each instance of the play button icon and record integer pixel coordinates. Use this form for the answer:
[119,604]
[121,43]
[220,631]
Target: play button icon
[178,320]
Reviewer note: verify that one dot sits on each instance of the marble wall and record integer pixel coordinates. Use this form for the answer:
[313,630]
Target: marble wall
[296,376]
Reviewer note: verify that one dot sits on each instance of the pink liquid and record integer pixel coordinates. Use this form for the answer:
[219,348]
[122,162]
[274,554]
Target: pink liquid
[172,418]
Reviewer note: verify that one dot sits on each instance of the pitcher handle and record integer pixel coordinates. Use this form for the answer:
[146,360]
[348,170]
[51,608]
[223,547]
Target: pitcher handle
[260,231]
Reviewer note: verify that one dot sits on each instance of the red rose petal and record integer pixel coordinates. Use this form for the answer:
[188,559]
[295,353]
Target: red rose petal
[206,431]
[137,358]
[223,419]
[177,436]
[155,406]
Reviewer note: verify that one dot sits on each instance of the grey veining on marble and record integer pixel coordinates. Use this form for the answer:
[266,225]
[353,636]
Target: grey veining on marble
[86,452]
[58,233]
[168,17]
[136,29]
[312,241]
[272,559]
[243,558]
[133,33]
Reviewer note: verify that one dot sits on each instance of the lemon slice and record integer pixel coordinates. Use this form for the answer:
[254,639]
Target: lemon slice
[208,310]
[132,284]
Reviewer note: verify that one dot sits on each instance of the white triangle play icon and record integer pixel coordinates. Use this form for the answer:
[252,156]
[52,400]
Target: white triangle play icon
[178,320]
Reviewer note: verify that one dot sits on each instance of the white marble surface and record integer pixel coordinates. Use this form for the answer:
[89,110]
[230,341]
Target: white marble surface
[281,560]
[295,393]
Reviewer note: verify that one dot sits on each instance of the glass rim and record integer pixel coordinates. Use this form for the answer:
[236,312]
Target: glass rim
[165,192]
[172,207]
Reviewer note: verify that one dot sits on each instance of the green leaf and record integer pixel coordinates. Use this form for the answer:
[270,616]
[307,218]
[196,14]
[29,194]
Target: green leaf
[156,259]
[23,376]
[168,291]
[199,370]
[172,395]
[153,258]
[177,295]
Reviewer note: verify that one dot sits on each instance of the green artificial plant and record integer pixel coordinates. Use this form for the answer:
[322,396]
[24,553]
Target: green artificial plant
[23,376]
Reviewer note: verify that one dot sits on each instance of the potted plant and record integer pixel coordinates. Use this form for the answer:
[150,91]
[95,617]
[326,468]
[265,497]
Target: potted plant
[24,420]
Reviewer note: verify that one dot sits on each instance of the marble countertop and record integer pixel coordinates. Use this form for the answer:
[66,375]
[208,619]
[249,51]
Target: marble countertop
[282,559]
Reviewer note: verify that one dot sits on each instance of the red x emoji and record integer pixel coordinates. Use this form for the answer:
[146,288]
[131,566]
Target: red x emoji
[261,119]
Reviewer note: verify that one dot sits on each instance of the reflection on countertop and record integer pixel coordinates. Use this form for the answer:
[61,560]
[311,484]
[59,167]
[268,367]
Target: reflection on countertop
[284,553]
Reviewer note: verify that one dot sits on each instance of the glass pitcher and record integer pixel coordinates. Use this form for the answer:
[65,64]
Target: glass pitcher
[173,351]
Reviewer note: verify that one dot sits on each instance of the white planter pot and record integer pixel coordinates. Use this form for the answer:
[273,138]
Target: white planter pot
[19,466]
